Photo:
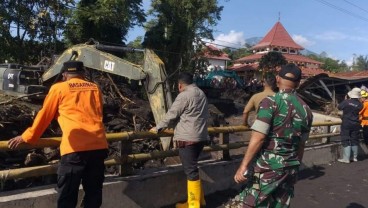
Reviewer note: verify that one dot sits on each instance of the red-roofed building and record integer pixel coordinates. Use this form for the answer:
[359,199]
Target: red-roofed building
[277,39]
[351,75]
[216,58]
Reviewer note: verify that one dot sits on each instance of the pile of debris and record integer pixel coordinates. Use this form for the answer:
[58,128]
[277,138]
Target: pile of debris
[125,109]
[237,95]
[15,114]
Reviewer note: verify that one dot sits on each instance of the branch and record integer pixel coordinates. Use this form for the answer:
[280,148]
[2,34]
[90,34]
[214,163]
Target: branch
[118,91]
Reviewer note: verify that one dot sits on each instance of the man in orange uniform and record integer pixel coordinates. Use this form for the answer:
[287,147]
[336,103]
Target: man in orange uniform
[77,106]
[363,114]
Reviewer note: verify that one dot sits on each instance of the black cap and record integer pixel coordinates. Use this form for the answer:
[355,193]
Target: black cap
[290,72]
[73,67]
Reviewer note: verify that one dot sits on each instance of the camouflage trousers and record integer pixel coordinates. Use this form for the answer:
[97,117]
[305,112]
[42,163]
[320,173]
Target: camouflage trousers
[272,189]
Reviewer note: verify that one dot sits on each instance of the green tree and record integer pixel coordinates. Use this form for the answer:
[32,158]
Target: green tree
[178,28]
[343,66]
[241,52]
[271,60]
[31,26]
[329,64]
[235,54]
[315,57]
[104,20]
[361,63]
[137,57]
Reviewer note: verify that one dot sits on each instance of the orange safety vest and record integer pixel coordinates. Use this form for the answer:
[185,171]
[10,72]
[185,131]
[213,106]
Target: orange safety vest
[363,114]
[77,106]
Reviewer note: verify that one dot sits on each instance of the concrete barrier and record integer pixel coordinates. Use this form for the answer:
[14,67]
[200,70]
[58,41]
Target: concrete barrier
[162,187]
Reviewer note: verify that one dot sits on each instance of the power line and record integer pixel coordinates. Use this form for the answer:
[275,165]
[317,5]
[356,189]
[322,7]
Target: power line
[220,45]
[356,6]
[180,35]
[342,10]
[227,42]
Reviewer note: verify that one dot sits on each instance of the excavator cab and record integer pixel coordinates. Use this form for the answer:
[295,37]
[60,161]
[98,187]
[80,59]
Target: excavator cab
[213,83]
[18,80]
[219,79]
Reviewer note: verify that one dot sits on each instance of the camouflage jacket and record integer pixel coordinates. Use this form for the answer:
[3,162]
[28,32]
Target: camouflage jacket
[286,121]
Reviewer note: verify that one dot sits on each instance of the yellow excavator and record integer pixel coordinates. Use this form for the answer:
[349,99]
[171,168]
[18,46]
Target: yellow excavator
[19,80]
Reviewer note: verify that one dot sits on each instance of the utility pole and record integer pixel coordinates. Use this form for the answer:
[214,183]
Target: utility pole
[353,64]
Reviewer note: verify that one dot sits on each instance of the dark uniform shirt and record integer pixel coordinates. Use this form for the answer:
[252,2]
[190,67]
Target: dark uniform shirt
[350,117]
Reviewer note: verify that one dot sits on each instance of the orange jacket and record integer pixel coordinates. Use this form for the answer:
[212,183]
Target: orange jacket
[77,106]
[363,114]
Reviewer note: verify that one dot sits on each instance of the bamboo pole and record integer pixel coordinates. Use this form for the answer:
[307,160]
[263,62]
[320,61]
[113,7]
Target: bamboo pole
[328,123]
[131,135]
[51,169]
[55,141]
[29,172]
[113,137]
[318,136]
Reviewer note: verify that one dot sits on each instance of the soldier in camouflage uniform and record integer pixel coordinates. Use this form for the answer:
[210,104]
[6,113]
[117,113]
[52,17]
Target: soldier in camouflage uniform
[276,147]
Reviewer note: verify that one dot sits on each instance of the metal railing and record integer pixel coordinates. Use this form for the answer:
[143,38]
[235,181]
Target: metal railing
[127,158]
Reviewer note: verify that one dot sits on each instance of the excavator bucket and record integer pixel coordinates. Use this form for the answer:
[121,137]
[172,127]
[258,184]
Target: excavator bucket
[157,89]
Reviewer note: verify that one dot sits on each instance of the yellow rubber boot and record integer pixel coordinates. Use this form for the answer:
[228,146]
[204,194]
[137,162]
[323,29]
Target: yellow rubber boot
[195,196]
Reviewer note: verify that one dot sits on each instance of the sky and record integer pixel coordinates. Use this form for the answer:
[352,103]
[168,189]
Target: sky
[337,27]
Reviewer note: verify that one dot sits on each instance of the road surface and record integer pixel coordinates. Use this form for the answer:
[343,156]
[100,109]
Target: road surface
[334,185]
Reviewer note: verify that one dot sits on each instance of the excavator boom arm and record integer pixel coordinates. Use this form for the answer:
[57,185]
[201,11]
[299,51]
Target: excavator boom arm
[153,73]
[98,60]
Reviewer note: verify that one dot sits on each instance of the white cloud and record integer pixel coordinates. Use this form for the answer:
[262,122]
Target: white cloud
[331,35]
[232,39]
[357,38]
[303,41]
